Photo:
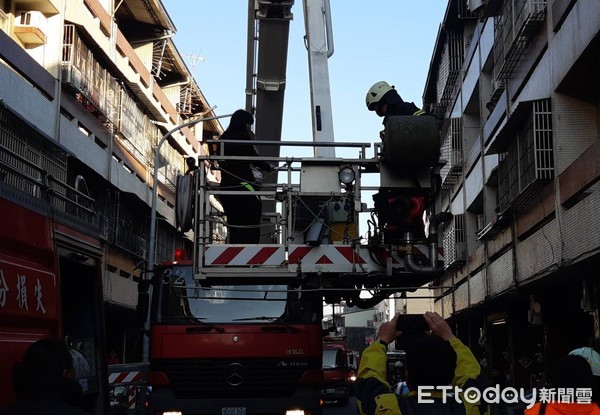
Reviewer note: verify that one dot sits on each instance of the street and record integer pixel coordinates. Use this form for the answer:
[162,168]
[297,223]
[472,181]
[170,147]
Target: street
[349,409]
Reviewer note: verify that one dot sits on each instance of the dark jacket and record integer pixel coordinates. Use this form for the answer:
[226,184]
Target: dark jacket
[375,397]
[397,106]
[402,108]
[55,399]
[233,172]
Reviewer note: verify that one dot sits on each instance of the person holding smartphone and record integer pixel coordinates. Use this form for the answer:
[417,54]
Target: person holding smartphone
[433,359]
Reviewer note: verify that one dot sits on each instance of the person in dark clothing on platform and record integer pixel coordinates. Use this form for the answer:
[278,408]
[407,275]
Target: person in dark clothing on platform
[44,382]
[243,212]
[385,101]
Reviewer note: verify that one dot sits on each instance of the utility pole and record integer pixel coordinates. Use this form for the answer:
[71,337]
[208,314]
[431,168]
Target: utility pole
[152,240]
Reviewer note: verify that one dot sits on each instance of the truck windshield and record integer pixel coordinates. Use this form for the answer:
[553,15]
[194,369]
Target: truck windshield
[332,359]
[184,299]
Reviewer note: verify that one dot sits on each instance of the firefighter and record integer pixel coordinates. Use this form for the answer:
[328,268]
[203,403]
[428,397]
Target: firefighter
[385,101]
[243,212]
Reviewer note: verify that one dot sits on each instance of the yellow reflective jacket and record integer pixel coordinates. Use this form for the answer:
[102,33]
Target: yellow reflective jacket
[372,385]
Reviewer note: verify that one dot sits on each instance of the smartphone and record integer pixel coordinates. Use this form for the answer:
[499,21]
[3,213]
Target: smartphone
[410,325]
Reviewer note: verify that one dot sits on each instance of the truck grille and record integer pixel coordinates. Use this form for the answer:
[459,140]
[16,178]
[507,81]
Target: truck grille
[214,379]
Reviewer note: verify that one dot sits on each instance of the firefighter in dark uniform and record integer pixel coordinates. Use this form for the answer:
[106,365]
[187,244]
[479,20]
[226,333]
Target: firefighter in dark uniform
[385,101]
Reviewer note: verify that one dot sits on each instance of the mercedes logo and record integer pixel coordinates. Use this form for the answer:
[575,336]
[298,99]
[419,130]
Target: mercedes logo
[235,374]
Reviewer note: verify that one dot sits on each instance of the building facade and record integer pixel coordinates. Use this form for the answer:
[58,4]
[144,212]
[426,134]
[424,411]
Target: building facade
[514,85]
[87,90]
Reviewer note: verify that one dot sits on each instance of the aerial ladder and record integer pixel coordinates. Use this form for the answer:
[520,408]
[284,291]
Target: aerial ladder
[314,213]
[406,161]
[268,36]
[312,234]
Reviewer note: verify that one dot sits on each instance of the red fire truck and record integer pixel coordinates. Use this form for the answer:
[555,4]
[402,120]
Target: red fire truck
[233,346]
[49,287]
[336,379]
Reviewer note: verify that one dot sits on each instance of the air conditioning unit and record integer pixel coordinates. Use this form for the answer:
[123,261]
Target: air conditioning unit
[30,27]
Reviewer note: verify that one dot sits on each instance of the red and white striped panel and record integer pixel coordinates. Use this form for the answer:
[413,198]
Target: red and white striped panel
[132,397]
[324,254]
[244,255]
[131,380]
[125,377]
[327,258]
[343,258]
[323,258]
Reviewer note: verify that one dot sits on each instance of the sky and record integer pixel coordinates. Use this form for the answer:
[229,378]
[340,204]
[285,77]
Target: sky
[374,40]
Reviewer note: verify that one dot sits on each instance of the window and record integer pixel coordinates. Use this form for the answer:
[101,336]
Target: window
[528,162]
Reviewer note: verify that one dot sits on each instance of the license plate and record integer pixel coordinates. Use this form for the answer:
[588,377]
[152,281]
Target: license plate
[233,411]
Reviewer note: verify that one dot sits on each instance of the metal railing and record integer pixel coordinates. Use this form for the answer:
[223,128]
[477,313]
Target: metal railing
[289,195]
[519,21]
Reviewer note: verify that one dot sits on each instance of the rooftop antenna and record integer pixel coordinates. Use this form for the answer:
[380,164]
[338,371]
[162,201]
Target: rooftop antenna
[195,59]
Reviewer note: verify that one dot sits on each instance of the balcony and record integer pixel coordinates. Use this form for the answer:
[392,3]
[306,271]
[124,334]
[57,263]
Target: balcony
[102,95]
[30,28]
[48,7]
[90,83]
[520,20]
[35,175]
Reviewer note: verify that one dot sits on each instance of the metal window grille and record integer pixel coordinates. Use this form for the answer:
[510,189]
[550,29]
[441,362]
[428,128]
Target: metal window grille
[32,165]
[452,153]
[92,85]
[519,21]
[449,70]
[172,164]
[528,163]
[25,153]
[542,127]
[455,242]
[131,230]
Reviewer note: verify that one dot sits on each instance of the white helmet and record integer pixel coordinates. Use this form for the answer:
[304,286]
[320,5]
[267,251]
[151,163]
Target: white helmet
[376,92]
[592,357]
